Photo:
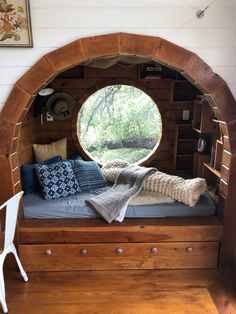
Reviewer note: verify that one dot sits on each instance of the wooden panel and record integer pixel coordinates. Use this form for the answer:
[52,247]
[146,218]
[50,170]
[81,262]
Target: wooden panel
[15,104]
[131,230]
[223,187]
[226,143]
[103,45]
[33,80]
[14,160]
[138,45]
[105,256]
[222,96]
[16,175]
[66,56]
[175,56]
[198,71]
[226,158]
[224,173]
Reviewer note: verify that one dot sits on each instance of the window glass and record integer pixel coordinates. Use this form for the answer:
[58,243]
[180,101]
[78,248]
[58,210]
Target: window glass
[119,122]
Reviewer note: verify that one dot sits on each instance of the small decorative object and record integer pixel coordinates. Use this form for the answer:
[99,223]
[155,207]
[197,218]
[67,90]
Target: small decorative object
[15,25]
[200,13]
[202,145]
[60,106]
[46,91]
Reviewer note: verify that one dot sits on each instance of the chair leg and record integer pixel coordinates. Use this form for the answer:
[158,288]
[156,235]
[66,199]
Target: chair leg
[2,290]
[23,273]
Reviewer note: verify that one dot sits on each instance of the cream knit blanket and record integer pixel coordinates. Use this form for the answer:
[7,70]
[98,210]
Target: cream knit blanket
[187,191]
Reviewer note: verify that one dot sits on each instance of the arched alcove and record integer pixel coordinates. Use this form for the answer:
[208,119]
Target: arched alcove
[112,45]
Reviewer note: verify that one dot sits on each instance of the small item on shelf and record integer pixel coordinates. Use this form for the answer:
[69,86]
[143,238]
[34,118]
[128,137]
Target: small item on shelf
[202,145]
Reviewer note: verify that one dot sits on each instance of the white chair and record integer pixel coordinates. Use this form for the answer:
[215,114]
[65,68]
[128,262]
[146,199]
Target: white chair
[12,206]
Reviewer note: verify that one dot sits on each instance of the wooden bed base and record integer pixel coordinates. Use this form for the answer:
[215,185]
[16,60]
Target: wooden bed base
[91,244]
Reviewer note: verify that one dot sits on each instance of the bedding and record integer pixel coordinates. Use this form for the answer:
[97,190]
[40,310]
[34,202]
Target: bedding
[46,151]
[57,180]
[112,204]
[30,181]
[74,207]
[88,174]
[187,191]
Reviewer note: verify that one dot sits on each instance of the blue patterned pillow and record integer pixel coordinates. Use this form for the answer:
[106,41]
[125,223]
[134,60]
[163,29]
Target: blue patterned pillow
[30,182]
[88,174]
[57,180]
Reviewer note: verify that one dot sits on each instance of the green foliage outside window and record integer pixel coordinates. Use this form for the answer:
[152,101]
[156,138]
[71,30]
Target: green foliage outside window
[119,121]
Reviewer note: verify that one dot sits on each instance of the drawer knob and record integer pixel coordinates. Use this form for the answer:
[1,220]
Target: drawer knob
[48,252]
[154,250]
[119,250]
[83,251]
[189,249]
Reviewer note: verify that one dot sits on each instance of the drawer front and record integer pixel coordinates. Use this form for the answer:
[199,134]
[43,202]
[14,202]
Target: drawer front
[119,256]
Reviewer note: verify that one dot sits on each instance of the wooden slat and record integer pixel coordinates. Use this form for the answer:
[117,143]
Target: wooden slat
[224,173]
[223,187]
[226,159]
[132,230]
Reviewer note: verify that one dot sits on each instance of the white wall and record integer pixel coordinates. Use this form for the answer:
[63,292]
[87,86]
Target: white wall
[57,22]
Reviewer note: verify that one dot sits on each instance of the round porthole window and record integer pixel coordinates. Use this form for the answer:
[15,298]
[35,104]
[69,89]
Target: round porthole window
[119,122]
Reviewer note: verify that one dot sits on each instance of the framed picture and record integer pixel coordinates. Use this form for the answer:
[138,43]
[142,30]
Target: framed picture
[15,24]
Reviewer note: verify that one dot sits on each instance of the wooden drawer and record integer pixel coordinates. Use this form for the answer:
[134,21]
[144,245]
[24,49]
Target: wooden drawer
[55,257]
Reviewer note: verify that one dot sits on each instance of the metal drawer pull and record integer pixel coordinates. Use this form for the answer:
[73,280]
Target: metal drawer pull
[189,249]
[119,250]
[83,251]
[154,250]
[48,252]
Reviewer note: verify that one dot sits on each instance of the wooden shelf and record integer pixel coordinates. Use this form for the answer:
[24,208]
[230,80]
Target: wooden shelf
[197,130]
[213,170]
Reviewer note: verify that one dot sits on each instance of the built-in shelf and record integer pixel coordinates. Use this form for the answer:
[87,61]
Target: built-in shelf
[212,169]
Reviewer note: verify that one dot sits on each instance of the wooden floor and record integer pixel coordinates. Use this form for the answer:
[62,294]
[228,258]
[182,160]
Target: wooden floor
[113,292]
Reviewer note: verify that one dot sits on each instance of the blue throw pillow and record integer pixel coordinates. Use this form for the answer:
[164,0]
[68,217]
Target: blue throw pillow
[57,180]
[76,156]
[88,174]
[30,182]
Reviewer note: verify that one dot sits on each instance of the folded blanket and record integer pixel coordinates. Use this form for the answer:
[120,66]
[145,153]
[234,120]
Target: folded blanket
[112,204]
[187,191]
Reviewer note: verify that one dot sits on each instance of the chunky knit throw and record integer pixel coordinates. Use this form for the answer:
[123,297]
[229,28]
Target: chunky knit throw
[187,191]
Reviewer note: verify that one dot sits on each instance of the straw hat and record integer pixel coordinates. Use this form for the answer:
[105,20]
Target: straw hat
[60,106]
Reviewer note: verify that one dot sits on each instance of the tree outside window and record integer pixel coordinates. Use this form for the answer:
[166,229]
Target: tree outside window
[119,122]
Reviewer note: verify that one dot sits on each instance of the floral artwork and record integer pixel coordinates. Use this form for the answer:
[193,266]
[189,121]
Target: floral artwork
[15,27]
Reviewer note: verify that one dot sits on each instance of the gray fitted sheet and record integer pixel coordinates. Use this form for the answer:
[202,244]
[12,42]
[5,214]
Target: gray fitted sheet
[74,207]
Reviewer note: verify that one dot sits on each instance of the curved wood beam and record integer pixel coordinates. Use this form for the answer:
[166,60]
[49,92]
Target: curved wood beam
[160,50]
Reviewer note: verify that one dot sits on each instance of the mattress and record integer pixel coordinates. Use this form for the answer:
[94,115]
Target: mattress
[74,207]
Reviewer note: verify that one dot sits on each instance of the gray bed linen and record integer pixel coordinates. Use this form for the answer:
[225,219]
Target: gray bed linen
[74,207]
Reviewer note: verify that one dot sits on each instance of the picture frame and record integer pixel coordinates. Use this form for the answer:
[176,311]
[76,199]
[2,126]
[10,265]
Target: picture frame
[15,24]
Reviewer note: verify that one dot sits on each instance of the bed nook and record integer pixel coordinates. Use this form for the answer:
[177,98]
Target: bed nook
[183,217]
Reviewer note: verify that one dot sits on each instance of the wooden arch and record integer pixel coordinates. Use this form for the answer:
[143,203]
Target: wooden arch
[156,48]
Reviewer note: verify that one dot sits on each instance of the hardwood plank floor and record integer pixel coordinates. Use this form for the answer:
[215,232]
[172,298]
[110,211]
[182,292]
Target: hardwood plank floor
[113,292]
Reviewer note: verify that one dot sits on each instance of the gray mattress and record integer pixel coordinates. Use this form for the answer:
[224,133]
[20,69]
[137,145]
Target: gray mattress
[74,207]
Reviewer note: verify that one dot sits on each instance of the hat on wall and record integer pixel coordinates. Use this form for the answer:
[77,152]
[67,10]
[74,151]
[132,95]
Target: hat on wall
[60,106]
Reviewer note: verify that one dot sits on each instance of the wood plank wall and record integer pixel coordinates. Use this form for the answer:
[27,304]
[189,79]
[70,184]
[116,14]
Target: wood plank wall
[29,134]
[161,89]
